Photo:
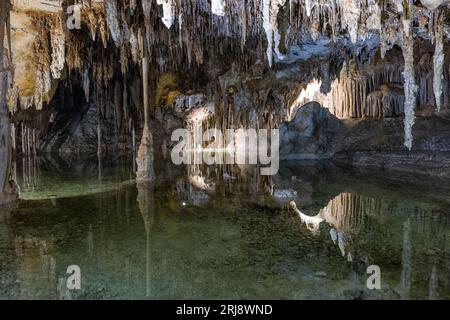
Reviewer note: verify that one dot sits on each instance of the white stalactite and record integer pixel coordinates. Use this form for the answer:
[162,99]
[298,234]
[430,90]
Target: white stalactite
[438,65]
[218,7]
[270,12]
[409,79]
[432,4]
[168,12]
[374,20]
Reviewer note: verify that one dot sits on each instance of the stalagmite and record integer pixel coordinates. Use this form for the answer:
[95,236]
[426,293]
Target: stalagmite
[438,63]
[145,172]
[374,21]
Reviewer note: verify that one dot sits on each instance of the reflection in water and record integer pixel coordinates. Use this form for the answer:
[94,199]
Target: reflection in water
[405,284]
[222,232]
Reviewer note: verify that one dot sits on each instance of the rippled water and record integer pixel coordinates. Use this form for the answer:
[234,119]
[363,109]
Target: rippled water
[223,233]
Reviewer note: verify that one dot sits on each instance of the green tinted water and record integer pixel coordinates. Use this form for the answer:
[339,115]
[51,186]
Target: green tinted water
[200,234]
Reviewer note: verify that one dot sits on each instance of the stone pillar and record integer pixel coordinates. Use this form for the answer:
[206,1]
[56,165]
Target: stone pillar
[8,190]
[145,172]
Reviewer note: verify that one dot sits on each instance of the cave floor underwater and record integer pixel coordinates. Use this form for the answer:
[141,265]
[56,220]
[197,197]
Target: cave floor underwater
[216,232]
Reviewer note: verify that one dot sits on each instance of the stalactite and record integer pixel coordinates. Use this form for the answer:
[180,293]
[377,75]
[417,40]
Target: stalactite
[58,45]
[351,13]
[144,159]
[405,278]
[112,18]
[232,33]
[244,31]
[134,47]
[409,75]
[432,4]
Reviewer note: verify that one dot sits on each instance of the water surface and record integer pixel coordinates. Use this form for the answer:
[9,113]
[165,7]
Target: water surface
[222,233]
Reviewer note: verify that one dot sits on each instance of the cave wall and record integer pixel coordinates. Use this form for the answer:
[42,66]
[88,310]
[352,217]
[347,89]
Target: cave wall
[8,191]
[225,64]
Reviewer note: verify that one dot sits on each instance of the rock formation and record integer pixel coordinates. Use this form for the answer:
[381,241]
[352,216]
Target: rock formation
[79,87]
[8,188]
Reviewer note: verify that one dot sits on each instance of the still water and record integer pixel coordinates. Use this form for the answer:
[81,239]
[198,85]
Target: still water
[222,233]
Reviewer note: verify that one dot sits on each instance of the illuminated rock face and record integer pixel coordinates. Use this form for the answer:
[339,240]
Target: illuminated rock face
[306,136]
